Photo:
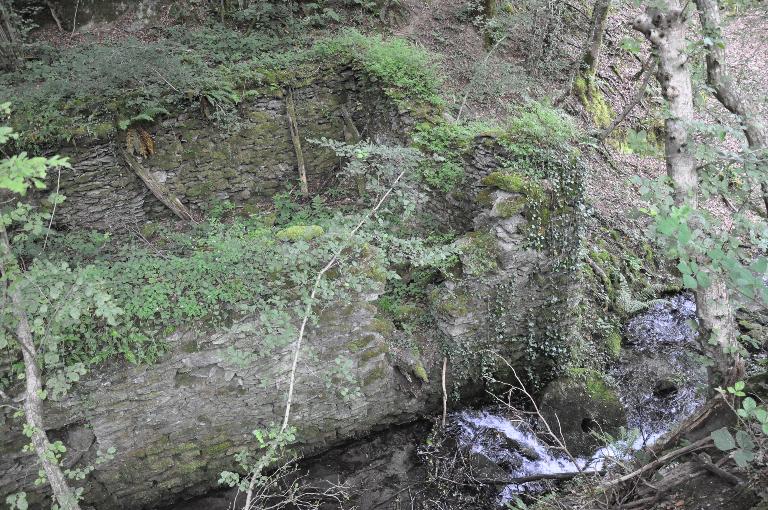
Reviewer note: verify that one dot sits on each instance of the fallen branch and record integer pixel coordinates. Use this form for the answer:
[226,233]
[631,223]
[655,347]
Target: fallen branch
[290,111]
[158,190]
[316,287]
[445,393]
[352,137]
[659,462]
[648,70]
[535,478]
[706,462]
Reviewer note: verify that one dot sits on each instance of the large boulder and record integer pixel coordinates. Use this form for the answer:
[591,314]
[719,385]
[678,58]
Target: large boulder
[580,406]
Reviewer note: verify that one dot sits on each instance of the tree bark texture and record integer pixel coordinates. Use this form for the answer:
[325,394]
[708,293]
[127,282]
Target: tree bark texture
[666,30]
[595,41]
[290,110]
[33,404]
[728,94]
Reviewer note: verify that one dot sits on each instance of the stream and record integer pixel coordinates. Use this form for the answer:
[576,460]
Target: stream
[659,382]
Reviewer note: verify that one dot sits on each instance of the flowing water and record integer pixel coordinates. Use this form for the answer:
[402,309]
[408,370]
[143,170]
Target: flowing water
[658,379]
[659,382]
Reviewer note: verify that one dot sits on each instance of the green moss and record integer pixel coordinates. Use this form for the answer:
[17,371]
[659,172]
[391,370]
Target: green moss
[375,375]
[420,372]
[190,347]
[216,448]
[300,232]
[367,356]
[595,384]
[613,343]
[480,253]
[594,101]
[514,182]
[382,326]
[199,190]
[103,130]
[483,198]
[360,343]
[455,305]
[510,207]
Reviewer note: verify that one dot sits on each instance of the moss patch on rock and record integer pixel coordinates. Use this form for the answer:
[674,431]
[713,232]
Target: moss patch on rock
[510,207]
[594,101]
[300,233]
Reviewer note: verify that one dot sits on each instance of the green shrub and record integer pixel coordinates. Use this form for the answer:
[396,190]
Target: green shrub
[447,143]
[408,72]
[540,125]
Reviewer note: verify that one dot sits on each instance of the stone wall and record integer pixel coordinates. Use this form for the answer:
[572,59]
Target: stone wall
[247,162]
[177,424]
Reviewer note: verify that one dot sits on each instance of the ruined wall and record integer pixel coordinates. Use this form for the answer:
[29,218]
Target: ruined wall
[246,162]
[176,424]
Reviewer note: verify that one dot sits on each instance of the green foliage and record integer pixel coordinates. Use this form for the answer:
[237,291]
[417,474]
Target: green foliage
[407,72]
[745,442]
[539,125]
[300,233]
[446,176]
[446,144]
[17,501]
[89,90]
[20,172]
[271,446]
[693,238]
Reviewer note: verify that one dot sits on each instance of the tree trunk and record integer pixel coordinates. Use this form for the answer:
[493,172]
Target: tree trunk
[489,12]
[727,93]
[290,110]
[595,41]
[586,68]
[33,405]
[9,38]
[352,137]
[665,29]
[666,32]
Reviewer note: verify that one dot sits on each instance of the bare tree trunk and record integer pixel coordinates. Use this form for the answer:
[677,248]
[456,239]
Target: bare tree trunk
[595,41]
[666,32]
[33,405]
[665,29]
[160,192]
[726,91]
[586,67]
[489,12]
[352,137]
[9,38]
[290,110]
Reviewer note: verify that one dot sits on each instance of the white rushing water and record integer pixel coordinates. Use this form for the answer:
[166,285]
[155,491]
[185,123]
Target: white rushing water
[660,352]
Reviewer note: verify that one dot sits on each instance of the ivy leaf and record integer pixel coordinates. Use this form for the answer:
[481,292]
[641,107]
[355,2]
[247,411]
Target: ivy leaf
[703,279]
[667,226]
[690,282]
[723,439]
[744,440]
[743,457]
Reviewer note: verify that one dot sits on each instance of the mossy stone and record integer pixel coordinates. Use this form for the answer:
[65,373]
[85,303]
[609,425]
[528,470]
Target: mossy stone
[583,402]
[300,233]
